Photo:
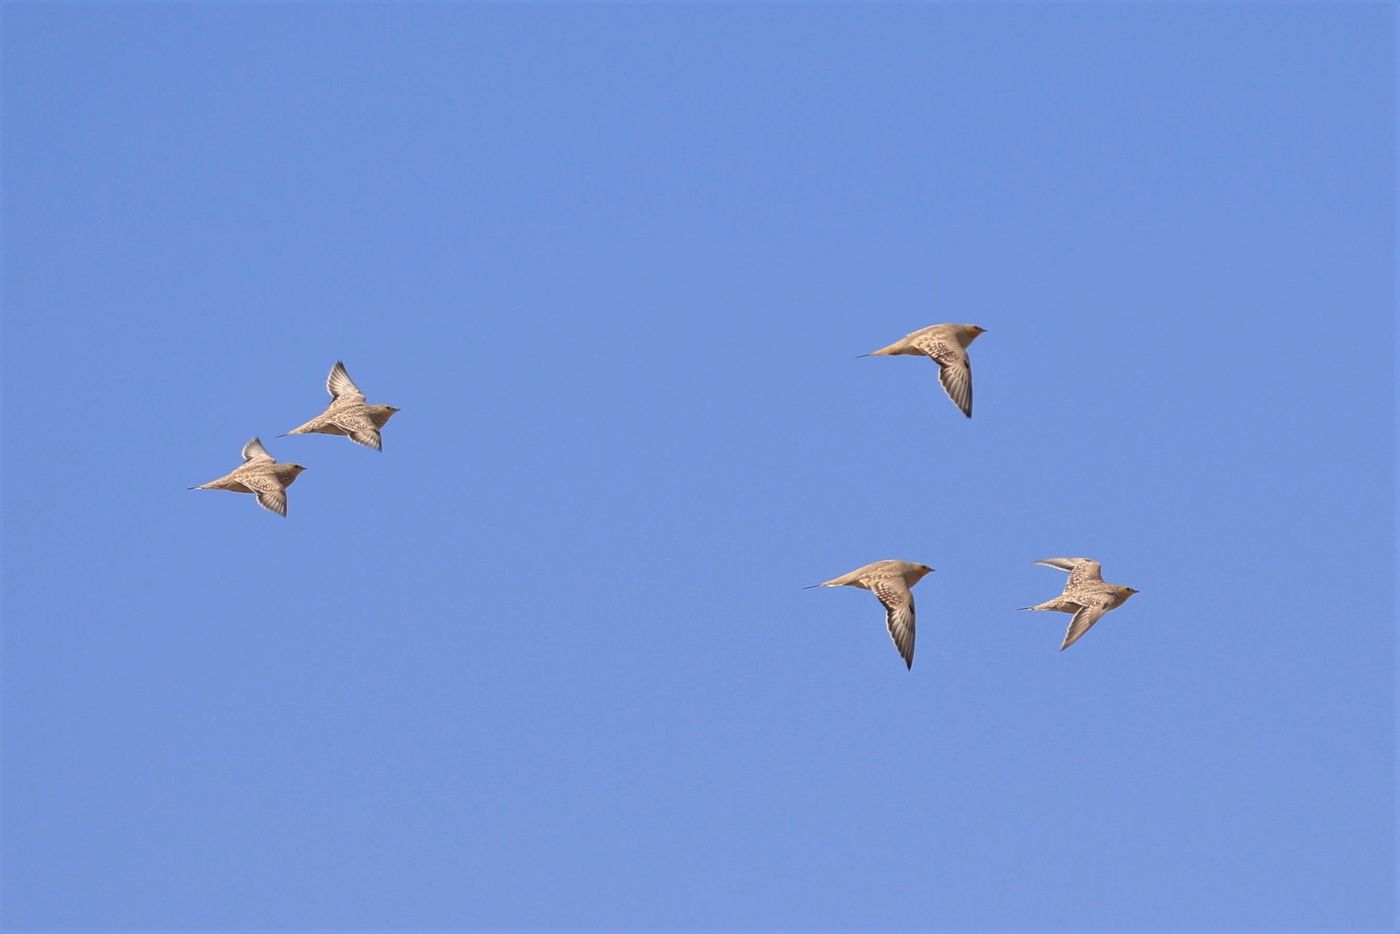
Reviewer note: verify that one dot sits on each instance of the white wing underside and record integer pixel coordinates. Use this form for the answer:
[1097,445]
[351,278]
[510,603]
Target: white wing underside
[255,453]
[341,387]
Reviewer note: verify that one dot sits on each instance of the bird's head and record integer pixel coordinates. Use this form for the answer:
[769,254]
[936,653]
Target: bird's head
[972,331]
[918,571]
[1127,592]
[297,468]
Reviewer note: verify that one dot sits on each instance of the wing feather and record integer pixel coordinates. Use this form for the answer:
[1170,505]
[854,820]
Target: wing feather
[954,369]
[271,494]
[1081,570]
[341,387]
[899,615]
[360,427]
[1080,623]
[255,453]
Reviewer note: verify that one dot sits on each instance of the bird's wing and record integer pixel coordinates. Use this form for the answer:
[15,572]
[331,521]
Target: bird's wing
[255,453]
[899,615]
[1081,570]
[360,427]
[271,494]
[341,387]
[954,369]
[1079,624]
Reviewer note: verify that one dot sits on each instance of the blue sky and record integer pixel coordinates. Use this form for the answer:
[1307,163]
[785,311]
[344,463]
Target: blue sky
[546,660]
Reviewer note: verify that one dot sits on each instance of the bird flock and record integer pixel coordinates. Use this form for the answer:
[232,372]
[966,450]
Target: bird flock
[348,414]
[1086,596]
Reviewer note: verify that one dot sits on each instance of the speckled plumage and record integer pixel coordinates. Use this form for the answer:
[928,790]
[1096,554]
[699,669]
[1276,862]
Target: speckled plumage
[348,413]
[261,475]
[1085,595]
[890,581]
[946,345]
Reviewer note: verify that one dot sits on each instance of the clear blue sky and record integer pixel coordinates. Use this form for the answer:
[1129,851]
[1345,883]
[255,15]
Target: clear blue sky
[546,660]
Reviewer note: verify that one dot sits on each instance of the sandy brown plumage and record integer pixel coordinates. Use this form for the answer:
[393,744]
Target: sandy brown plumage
[1086,596]
[261,475]
[348,414]
[889,581]
[946,345]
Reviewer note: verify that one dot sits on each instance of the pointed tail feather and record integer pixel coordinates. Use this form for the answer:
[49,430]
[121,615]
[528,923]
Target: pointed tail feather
[887,350]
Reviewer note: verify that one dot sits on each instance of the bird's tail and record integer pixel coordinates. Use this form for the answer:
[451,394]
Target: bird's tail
[305,428]
[887,350]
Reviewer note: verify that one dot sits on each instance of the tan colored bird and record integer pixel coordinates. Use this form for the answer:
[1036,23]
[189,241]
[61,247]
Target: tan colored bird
[946,345]
[1085,595]
[889,581]
[259,474]
[348,413]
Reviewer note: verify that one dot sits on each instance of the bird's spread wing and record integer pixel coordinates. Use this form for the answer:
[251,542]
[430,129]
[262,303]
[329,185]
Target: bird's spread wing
[341,387]
[1081,570]
[271,494]
[954,370]
[360,427]
[255,453]
[1080,623]
[899,615]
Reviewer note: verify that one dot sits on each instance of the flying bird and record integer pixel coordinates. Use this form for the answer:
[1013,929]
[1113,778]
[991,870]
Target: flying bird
[348,413]
[889,581]
[946,345]
[1085,595]
[261,475]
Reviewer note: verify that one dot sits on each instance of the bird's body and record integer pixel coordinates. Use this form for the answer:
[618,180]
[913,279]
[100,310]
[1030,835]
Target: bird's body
[348,413]
[261,475]
[890,582]
[946,345]
[1085,595]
